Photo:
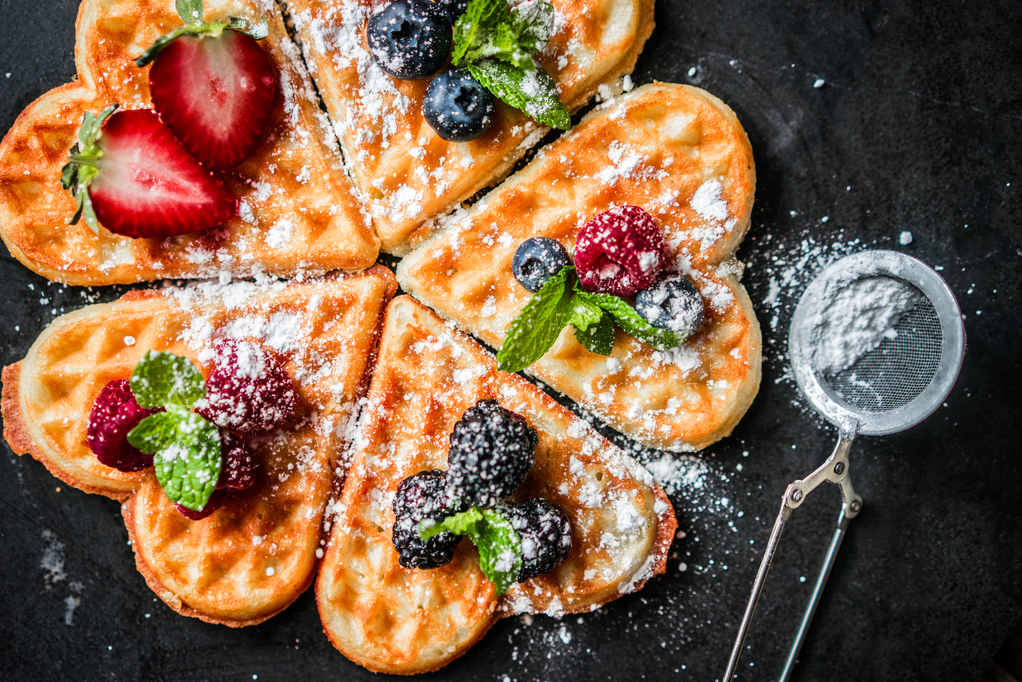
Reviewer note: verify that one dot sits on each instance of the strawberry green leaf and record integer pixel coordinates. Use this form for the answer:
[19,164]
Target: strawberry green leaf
[632,323]
[164,379]
[83,166]
[187,454]
[499,545]
[538,325]
[190,11]
[533,92]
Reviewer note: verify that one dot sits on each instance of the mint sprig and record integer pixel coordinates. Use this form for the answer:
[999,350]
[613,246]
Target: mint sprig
[631,322]
[499,46]
[560,302]
[185,445]
[537,327]
[186,449]
[161,378]
[499,545]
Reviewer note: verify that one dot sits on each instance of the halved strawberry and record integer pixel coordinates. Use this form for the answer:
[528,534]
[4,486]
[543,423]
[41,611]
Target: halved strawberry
[212,85]
[132,175]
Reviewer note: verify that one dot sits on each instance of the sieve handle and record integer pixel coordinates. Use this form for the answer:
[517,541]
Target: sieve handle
[835,470]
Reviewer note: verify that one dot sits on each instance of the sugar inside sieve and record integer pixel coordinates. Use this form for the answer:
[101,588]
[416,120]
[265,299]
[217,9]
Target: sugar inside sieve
[902,380]
[876,344]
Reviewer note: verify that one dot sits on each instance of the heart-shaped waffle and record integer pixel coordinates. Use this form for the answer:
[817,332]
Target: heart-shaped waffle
[252,557]
[391,619]
[296,212]
[680,153]
[406,174]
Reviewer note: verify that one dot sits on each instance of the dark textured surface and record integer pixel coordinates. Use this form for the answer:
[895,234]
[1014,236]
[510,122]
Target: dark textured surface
[917,127]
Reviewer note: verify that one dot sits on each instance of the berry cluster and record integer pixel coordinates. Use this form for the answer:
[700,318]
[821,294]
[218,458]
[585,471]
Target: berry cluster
[492,451]
[248,391]
[411,40]
[213,89]
[618,252]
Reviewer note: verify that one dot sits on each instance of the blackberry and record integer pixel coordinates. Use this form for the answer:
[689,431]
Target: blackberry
[408,39]
[673,304]
[537,260]
[492,451]
[419,497]
[545,532]
[457,106]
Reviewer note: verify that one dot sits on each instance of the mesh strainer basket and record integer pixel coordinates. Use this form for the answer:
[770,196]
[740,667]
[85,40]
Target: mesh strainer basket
[891,387]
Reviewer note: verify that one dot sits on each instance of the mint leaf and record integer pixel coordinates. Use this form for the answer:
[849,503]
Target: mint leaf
[533,24]
[187,450]
[533,92]
[473,27]
[584,313]
[161,378]
[630,321]
[538,325]
[501,43]
[598,338]
[500,546]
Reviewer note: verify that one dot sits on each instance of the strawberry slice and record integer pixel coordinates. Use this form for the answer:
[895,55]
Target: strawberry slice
[132,175]
[212,85]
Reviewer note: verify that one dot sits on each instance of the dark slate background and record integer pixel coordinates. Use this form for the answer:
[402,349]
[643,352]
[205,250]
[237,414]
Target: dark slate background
[916,127]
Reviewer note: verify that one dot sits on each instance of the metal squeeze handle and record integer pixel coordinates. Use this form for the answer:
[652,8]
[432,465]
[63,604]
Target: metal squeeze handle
[835,470]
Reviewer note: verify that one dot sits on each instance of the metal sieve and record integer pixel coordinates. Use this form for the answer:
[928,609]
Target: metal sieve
[892,387]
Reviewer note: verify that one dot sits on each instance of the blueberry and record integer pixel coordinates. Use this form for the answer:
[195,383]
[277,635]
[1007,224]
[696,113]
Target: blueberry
[673,304]
[450,10]
[457,106]
[408,40]
[537,260]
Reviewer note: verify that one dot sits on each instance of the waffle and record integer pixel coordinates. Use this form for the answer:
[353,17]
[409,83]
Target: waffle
[396,620]
[252,557]
[405,172]
[296,212]
[680,153]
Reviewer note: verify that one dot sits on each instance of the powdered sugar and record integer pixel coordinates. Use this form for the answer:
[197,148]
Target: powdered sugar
[857,318]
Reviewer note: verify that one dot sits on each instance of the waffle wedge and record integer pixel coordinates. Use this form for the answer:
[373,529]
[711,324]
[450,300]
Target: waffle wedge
[681,154]
[396,620]
[405,172]
[251,558]
[296,212]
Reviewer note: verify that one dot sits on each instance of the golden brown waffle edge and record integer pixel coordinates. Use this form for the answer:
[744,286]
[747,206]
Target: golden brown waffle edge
[395,620]
[250,559]
[297,210]
[681,154]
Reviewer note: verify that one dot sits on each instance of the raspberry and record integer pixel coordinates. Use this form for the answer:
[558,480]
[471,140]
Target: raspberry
[113,415]
[214,503]
[237,469]
[237,472]
[419,497]
[248,390]
[619,251]
[545,532]
[492,451]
